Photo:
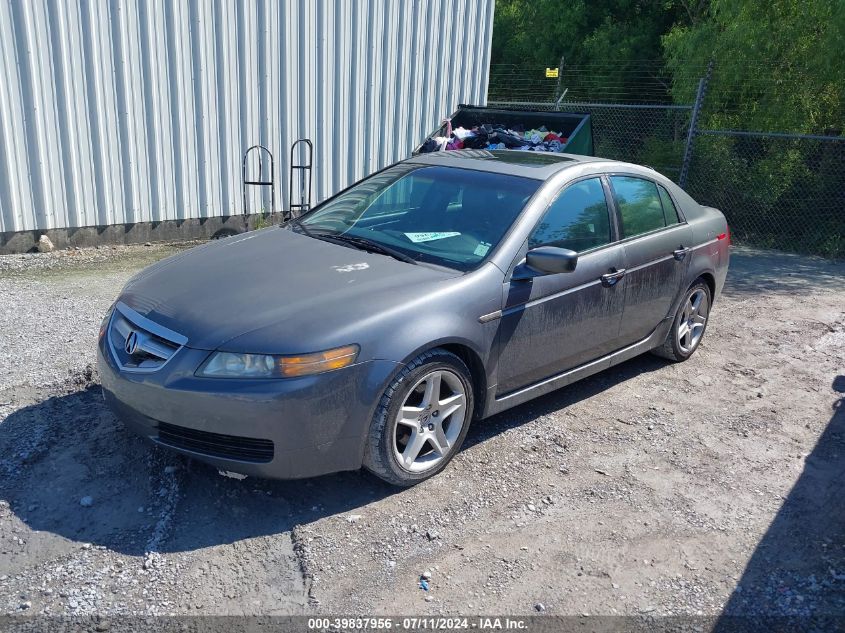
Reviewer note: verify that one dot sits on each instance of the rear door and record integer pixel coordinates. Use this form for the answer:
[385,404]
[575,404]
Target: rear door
[657,242]
[552,323]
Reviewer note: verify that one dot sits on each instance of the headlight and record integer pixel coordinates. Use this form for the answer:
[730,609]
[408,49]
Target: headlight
[232,365]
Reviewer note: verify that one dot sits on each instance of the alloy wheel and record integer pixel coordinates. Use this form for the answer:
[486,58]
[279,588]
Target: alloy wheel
[693,319]
[429,421]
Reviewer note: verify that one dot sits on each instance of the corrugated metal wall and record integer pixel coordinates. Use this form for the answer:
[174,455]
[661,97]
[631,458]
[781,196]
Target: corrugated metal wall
[117,111]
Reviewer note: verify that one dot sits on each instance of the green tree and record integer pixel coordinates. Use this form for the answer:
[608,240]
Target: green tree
[778,67]
[616,35]
[530,32]
[778,63]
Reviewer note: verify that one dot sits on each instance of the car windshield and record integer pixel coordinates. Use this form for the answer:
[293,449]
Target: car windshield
[439,215]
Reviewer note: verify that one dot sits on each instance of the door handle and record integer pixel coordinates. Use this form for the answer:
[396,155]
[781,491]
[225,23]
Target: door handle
[681,253]
[611,278]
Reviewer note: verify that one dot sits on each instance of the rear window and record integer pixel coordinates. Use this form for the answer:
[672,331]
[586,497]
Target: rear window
[669,209]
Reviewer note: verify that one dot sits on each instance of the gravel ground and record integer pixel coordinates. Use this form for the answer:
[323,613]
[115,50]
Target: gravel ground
[710,487]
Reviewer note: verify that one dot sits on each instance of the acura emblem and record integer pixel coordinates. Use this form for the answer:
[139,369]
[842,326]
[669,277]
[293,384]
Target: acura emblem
[131,344]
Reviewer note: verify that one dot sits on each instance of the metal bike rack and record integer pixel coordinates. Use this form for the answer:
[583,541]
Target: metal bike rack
[304,170]
[262,181]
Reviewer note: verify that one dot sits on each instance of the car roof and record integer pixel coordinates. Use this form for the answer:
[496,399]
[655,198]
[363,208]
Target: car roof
[537,165]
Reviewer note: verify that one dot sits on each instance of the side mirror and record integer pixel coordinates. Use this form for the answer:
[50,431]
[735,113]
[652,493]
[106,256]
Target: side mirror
[546,260]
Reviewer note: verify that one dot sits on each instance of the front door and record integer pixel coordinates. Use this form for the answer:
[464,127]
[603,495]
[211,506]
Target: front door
[552,323]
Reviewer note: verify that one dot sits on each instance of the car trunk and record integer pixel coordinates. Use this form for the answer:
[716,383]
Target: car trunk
[574,127]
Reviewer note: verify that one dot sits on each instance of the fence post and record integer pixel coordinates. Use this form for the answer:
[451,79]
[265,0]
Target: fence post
[557,85]
[693,125]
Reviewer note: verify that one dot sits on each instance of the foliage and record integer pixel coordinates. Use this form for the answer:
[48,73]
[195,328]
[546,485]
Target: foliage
[260,220]
[540,32]
[778,63]
[783,193]
[777,67]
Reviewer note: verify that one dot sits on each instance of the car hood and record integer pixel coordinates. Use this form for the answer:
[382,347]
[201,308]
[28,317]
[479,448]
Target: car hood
[301,291]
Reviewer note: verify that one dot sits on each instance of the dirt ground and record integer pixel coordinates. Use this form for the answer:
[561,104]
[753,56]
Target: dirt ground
[709,487]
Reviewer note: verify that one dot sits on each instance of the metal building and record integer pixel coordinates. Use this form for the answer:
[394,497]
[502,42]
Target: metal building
[138,112]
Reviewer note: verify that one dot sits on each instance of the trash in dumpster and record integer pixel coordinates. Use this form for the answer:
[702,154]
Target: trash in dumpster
[480,127]
[497,136]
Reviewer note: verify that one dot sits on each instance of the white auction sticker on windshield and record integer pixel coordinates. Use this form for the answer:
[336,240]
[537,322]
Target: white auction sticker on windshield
[430,237]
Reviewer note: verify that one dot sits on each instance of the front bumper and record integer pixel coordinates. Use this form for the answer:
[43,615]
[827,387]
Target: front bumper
[280,429]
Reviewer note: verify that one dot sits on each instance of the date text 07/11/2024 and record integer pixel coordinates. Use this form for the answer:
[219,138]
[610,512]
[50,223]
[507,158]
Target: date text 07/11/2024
[480,623]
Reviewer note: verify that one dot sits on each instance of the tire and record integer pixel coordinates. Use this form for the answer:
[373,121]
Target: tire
[434,425]
[689,324]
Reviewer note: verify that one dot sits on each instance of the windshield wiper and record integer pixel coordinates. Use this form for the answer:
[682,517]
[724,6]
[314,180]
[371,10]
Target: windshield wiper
[370,245]
[361,243]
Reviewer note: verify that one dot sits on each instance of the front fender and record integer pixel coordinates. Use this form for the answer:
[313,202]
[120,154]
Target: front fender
[448,319]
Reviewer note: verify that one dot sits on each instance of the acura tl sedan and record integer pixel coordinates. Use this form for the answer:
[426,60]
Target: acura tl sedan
[374,329]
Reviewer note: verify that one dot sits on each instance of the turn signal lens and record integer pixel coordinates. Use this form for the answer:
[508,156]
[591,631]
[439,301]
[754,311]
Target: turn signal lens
[317,363]
[104,324]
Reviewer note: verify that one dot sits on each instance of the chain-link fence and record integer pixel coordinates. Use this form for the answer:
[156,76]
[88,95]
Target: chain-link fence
[783,191]
[641,82]
[777,190]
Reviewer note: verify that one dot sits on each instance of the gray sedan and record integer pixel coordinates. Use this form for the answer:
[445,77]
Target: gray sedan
[441,290]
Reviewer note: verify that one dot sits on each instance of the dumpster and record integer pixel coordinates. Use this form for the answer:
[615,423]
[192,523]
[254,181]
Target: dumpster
[479,127]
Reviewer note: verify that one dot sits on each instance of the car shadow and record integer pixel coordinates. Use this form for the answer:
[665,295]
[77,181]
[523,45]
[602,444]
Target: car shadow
[795,579]
[753,271]
[562,398]
[69,468]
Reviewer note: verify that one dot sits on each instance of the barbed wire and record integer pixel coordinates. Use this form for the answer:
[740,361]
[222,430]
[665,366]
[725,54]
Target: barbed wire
[644,82]
[762,99]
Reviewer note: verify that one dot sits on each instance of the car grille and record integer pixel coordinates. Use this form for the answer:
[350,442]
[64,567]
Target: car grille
[139,344]
[245,449]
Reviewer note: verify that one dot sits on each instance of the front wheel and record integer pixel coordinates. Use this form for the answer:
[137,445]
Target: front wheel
[689,324]
[422,419]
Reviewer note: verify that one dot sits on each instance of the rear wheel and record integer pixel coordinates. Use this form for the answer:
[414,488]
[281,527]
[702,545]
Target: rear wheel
[422,419]
[689,324]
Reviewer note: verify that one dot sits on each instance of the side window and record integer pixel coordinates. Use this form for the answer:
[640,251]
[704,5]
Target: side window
[669,209]
[639,205]
[578,219]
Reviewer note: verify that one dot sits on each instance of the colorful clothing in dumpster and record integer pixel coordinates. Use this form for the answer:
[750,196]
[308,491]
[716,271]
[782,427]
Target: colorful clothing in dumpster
[497,136]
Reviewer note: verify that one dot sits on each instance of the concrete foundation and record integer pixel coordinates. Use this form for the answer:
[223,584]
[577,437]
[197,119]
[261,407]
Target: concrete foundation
[140,233]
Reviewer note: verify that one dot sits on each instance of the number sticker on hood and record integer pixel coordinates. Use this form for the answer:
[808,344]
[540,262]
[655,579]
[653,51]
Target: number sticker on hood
[348,268]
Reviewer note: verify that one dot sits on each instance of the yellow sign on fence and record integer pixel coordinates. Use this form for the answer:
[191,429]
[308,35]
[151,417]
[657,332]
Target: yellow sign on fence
[551,73]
